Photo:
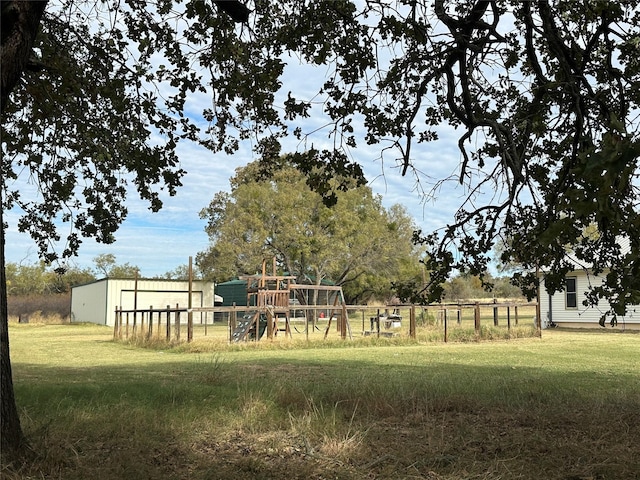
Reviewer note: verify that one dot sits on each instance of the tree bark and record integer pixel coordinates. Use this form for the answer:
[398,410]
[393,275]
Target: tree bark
[20,21]
[19,25]
[11,436]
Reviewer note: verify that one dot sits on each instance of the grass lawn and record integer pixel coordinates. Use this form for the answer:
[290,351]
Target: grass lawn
[566,406]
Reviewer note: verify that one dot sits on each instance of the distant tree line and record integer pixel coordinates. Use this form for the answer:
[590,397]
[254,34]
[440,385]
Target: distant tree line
[469,287]
[38,287]
[39,279]
[42,279]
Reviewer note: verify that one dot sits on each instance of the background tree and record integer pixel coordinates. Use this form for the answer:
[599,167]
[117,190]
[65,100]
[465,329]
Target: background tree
[107,266]
[181,272]
[356,243]
[470,287]
[40,290]
[39,279]
[399,262]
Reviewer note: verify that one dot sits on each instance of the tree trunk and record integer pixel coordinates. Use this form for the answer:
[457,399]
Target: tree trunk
[20,21]
[19,25]
[11,436]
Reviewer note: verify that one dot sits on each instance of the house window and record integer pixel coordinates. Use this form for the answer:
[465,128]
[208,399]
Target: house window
[571,294]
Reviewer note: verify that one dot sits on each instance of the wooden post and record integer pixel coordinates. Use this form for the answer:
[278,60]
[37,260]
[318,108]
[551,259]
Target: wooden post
[476,318]
[495,314]
[168,323]
[335,303]
[232,322]
[135,302]
[134,328]
[459,313]
[515,312]
[127,331]
[306,323]
[326,332]
[116,330]
[412,322]
[378,323]
[177,320]
[269,325]
[150,333]
[256,321]
[343,323]
[190,305]
[287,319]
[508,317]
[446,332]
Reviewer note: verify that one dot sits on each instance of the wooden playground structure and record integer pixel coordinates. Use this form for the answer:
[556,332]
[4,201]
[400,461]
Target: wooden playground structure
[274,297]
[273,302]
[271,299]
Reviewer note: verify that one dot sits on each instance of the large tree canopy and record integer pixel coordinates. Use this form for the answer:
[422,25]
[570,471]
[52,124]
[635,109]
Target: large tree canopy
[543,96]
[356,243]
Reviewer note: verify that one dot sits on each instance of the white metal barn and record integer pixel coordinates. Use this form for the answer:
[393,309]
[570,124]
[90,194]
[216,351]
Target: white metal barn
[96,302]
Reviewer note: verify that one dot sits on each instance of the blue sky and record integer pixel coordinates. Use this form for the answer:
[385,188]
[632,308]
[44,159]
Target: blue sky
[160,242]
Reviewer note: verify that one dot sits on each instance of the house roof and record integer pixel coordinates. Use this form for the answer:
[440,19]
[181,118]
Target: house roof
[625,248]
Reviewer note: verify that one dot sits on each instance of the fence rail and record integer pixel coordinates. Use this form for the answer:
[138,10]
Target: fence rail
[172,321]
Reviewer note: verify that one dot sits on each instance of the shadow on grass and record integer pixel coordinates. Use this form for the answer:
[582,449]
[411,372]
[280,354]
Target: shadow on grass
[319,418]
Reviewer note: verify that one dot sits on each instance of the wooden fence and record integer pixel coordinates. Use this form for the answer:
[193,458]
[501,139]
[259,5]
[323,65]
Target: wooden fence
[174,323]
[506,314]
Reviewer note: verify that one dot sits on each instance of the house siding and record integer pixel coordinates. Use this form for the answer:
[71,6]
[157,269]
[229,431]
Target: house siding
[554,306]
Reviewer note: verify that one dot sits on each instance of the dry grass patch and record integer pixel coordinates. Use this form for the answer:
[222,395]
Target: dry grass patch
[564,407]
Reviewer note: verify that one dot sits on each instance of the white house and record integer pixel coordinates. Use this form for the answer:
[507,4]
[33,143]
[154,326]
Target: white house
[566,308]
[96,302]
